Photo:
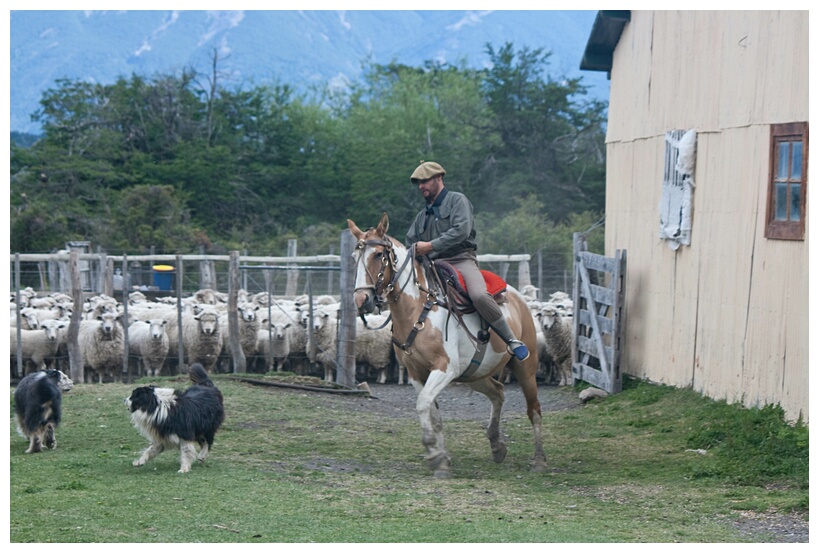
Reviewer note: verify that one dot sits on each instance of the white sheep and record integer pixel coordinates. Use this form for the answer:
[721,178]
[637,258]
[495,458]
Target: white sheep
[530,292]
[45,302]
[97,305]
[28,318]
[58,311]
[563,302]
[300,349]
[102,344]
[206,296]
[201,337]
[558,333]
[325,338]
[274,345]
[38,346]
[148,341]
[26,295]
[249,325]
[373,345]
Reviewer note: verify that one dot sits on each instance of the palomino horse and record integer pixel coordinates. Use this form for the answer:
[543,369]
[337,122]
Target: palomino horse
[434,346]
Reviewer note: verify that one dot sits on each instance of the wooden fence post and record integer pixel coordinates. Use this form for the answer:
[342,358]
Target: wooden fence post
[345,352]
[126,350]
[239,361]
[180,363]
[75,360]
[330,274]
[207,273]
[523,275]
[21,370]
[292,274]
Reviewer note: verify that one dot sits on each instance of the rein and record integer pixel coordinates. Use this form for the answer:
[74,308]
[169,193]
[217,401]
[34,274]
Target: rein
[382,290]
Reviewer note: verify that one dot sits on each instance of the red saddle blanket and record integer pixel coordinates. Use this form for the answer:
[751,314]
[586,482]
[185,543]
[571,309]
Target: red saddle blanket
[495,285]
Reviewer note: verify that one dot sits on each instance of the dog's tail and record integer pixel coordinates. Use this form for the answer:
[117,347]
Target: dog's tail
[200,376]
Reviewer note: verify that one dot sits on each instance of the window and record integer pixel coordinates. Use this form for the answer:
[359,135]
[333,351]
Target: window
[788,182]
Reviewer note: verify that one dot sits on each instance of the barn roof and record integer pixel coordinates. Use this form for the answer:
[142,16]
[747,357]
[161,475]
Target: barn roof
[606,31]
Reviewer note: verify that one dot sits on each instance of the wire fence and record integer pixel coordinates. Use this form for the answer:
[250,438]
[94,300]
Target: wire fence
[45,273]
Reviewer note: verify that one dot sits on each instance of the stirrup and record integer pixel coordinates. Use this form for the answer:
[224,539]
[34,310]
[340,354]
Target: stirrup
[518,349]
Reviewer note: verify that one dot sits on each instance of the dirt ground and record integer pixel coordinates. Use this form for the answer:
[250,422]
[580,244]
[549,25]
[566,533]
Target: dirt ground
[459,402]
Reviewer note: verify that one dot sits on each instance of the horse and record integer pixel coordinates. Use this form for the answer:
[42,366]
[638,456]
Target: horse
[438,348]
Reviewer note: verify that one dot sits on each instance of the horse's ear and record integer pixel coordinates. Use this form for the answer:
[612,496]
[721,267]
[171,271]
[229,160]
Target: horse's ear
[354,229]
[383,225]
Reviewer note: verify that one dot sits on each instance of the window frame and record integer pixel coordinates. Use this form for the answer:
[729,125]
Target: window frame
[777,229]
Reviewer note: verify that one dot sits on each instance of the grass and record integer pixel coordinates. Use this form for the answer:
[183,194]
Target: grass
[296,467]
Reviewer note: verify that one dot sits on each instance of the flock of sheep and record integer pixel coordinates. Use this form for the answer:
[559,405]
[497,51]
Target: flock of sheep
[273,335]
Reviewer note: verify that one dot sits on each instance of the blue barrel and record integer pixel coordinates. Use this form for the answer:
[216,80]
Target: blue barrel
[163,276]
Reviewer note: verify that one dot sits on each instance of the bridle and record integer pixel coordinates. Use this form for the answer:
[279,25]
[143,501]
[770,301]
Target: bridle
[381,287]
[384,291]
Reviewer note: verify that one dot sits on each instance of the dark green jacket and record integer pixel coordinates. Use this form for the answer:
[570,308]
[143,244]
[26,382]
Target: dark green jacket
[450,228]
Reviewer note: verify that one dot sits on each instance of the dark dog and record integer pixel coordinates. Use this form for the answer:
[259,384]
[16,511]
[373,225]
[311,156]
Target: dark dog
[38,407]
[178,418]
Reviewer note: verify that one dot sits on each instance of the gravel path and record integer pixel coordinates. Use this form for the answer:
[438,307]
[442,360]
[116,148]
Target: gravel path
[460,402]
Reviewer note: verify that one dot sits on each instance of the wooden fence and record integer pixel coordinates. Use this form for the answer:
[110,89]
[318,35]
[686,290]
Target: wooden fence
[284,275]
[79,273]
[599,288]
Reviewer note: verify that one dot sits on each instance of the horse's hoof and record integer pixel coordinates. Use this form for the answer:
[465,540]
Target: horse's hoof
[499,454]
[443,474]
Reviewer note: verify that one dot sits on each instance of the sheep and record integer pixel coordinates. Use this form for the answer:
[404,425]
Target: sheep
[148,340]
[282,311]
[102,345]
[563,302]
[206,296]
[325,340]
[530,292]
[300,350]
[39,347]
[26,295]
[136,297]
[274,344]
[28,319]
[249,325]
[97,305]
[58,311]
[325,300]
[201,337]
[373,345]
[557,331]
[45,302]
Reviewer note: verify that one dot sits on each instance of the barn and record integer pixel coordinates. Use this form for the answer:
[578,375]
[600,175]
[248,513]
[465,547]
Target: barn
[716,225]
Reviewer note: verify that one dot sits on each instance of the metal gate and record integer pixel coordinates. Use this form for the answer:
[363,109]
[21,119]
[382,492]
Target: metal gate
[598,296]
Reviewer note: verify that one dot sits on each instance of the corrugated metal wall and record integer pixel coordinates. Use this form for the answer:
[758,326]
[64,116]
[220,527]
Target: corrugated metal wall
[727,315]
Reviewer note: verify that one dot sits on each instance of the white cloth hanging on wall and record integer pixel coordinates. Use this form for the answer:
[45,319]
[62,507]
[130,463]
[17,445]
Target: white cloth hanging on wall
[678,187]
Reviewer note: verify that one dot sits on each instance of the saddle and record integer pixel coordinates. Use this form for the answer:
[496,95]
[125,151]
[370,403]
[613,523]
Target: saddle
[455,288]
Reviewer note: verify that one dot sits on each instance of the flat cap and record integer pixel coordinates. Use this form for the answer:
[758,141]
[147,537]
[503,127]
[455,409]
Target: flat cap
[426,170]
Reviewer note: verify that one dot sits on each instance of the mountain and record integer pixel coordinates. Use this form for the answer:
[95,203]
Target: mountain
[300,48]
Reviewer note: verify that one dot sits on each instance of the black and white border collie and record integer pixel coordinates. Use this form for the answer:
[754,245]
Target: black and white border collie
[178,418]
[38,407]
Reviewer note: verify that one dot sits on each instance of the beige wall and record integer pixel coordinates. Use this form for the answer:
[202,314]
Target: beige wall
[727,315]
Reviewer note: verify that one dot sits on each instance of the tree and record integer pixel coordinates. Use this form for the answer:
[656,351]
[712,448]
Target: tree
[547,137]
[400,116]
[153,216]
[179,161]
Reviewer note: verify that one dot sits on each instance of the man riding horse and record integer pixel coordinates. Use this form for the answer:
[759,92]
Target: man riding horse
[445,230]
